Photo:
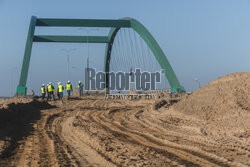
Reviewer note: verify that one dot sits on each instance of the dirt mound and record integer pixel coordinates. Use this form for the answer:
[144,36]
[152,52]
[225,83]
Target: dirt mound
[17,117]
[225,102]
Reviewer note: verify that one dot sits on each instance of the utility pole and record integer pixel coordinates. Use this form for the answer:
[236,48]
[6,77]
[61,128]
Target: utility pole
[198,82]
[68,51]
[87,77]
[11,80]
[87,86]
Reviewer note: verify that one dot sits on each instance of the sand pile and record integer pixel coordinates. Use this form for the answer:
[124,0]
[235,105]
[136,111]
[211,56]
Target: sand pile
[17,117]
[225,103]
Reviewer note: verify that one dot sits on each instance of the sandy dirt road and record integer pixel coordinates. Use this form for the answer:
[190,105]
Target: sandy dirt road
[96,132]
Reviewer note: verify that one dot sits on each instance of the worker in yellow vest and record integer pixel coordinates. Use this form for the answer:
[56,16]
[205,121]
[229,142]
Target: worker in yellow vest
[60,90]
[47,91]
[43,91]
[80,87]
[57,91]
[69,89]
[51,92]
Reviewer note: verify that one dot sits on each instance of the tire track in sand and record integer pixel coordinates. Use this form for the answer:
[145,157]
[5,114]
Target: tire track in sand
[193,155]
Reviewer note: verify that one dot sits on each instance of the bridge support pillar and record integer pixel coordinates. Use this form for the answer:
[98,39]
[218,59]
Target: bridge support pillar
[21,90]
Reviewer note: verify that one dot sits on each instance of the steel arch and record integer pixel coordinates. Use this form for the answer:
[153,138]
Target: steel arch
[154,47]
[115,26]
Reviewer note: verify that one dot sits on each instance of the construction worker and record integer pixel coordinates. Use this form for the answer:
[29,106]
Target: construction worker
[51,91]
[80,87]
[47,91]
[131,71]
[57,91]
[69,89]
[60,90]
[43,91]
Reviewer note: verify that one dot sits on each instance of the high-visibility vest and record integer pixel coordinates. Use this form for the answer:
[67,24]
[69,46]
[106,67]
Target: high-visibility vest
[68,87]
[60,87]
[80,85]
[50,89]
[43,89]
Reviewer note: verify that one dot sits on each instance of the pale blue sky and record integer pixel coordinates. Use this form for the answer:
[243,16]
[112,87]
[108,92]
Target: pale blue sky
[201,38]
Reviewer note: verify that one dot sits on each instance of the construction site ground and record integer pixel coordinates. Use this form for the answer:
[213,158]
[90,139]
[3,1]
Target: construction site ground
[210,127]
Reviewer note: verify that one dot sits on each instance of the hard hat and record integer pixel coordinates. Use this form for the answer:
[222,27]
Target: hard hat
[50,83]
[58,83]
[68,81]
[79,81]
[47,84]
[42,84]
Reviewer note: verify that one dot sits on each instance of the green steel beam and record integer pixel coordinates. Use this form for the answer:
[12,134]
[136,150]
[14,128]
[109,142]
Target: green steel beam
[107,58]
[159,55]
[21,88]
[71,39]
[156,50]
[82,23]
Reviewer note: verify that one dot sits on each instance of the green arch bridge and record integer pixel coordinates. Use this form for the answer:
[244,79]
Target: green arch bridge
[115,26]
